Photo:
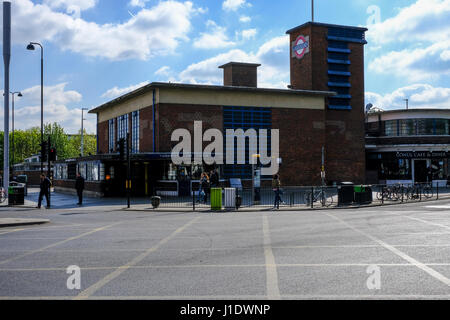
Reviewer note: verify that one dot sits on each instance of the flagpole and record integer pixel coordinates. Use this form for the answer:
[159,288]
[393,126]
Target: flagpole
[312,10]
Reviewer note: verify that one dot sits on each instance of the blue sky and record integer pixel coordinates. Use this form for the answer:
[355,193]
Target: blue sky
[96,50]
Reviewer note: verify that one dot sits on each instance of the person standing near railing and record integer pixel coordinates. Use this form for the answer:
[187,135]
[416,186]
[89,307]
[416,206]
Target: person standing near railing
[276,184]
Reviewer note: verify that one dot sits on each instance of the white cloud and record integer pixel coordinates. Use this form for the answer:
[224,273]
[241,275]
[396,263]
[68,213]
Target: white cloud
[117,92]
[163,71]
[417,64]
[233,5]
[425,20]
[154,31]
[248,34]
[138,3]
[273,73]
[217,38]
[419,96]
[424,30]
[73,7]
[245,19]
[57,108]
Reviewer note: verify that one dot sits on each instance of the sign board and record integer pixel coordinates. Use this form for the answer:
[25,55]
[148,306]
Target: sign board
[235,183]
[300,47]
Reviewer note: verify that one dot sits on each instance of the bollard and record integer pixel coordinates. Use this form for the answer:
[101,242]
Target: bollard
[437,190]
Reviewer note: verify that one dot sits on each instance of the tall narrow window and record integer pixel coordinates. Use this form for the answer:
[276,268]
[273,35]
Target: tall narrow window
[111,135]
[135,132]
[122,127]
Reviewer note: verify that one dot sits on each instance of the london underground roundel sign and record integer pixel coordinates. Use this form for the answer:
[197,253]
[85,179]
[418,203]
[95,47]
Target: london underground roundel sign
[300,46]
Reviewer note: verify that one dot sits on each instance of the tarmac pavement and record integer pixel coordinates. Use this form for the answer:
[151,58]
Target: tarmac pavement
[393,252]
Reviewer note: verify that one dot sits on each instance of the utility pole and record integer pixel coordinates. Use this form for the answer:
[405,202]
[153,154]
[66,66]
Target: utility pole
[407,103]
[48,170]
[128,184]
[6,61]
[82,130]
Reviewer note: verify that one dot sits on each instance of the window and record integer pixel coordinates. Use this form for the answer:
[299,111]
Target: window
[442,127]
[407,127]
[425,126]
[122,127]
[135,132]
[390,128]
[245,118]
[111,135]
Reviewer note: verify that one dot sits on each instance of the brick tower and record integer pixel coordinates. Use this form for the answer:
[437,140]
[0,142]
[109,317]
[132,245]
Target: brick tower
[329,57]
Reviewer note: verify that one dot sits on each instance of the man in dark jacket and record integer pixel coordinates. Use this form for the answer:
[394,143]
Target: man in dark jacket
[214,179]
[44,190]
[79,185]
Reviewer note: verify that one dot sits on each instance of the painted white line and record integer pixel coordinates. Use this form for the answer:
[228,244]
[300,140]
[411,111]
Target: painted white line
[401,254]
[425,221]
[96,286]
[57,243]
[273,291]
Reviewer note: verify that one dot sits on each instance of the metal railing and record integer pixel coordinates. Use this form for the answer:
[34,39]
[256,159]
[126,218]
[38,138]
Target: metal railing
[315,196]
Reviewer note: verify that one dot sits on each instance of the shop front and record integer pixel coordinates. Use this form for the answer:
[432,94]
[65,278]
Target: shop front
[408,167]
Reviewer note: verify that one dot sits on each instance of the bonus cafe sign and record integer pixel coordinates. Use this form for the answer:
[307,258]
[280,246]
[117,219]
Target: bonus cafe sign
[300,47]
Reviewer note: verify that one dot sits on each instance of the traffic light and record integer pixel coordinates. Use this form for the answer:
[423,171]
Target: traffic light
[44,150]
[121,147]
[52,154]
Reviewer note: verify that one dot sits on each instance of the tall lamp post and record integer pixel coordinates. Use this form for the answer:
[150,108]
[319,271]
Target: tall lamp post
[19,94]
[82,130]
[31,47]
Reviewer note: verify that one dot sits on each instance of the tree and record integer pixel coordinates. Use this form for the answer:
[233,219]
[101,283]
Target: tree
[27,143]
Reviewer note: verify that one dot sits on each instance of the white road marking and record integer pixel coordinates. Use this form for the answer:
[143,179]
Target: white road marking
[99,284]
[401,254]
[273,291]
[57,243]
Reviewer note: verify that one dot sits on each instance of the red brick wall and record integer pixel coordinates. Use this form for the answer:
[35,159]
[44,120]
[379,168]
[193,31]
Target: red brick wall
[301,140]
[345,147]
[103,134]
[176,116]
[146,130]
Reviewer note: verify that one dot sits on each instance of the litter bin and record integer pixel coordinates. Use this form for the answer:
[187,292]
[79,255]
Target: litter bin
[216,198]
[230,198]
[363,194]
[345,193]
[16,195]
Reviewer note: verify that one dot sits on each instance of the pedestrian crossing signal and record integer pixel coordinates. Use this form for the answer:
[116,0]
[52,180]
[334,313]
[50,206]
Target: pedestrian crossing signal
[52,154]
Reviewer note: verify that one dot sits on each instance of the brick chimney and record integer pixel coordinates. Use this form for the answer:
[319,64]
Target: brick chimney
[239,74]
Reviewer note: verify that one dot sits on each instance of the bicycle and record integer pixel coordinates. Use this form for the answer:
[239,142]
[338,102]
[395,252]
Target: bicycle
[319,195]
[390,193]
[3,196]
[427,191]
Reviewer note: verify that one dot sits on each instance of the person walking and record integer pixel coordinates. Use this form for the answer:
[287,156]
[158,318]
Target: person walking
[205,186]
[44,190]
[214,179]
[79,186]
[276,184]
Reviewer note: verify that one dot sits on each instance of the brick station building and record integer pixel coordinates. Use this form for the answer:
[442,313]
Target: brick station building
[322,109]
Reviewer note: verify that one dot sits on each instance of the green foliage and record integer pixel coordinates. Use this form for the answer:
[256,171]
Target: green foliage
[26,143]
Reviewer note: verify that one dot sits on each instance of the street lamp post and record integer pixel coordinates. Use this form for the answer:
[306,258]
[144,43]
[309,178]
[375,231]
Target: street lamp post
[31,47]
[19,94]
[82,130]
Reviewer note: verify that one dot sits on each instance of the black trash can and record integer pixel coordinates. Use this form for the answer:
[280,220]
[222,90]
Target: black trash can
[345,193]
[16,195]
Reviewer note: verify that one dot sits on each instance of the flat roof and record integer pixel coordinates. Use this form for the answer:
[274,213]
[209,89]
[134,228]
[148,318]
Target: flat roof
[154,85]
[409,111]
[240,64]
[325,25]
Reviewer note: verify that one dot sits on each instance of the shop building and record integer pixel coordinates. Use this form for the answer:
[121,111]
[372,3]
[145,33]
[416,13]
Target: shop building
[408,146]
[323,109]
